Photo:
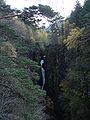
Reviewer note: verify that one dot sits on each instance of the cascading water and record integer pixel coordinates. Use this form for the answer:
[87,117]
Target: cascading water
[42,62]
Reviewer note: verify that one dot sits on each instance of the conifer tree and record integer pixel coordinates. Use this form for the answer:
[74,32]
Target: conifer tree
[76,15]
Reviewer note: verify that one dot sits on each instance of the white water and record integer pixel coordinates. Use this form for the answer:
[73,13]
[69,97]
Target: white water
[43,73]
[43,76]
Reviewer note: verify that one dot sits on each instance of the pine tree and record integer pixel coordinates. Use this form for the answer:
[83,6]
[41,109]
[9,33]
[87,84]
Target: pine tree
[76,15]
[86,7]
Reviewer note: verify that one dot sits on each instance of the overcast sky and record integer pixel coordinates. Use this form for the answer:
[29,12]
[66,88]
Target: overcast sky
[62,6]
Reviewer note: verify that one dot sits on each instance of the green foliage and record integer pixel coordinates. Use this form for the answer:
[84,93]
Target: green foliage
[20,80]
[67,63]
[72,98]
[4,9]
[40,35]
[76,86]
[55,30]
[20,97]
[86,7]
[46,11]
[6,30]
[8,49]
[76,15]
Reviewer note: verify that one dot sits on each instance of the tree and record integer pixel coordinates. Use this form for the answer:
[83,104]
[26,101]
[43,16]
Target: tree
[72,40]
[55,29]
[34,15]
[4,9]
[76,15]
[66,27]
[85,12]
[86,7]
[46,11]
[55,73]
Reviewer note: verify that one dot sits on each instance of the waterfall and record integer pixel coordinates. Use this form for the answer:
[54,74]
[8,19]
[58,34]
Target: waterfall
[42,62]
[43,77]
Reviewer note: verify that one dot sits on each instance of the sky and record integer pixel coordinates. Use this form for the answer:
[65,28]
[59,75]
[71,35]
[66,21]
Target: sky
[62,6]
